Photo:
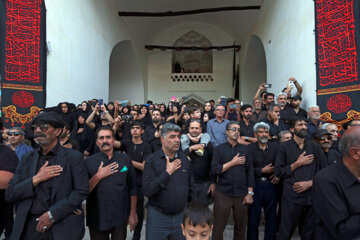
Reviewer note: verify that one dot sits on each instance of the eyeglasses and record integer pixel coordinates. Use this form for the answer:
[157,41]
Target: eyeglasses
[324,137]
[13,134]
[234,129]
[43,127]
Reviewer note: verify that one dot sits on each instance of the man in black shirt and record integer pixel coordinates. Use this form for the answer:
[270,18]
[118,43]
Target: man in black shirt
[149,133]
[297,162]
[8,163]
[49,186]
[324,138]
[167,182]
[65,139]
[336,193]
[276,124]
[263,154]
[204,186]
[138,151]
[111,204]
[247,125]
[232,163]
[295,110]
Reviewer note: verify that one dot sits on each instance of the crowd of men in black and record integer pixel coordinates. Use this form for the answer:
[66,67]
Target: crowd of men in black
[271,156]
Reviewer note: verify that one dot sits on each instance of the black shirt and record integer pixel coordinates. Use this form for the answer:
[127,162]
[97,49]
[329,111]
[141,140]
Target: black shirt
[257,117]
[236,180]
[108,205]
[137,153]
[275,129]
[332,156]
[261,158]
[336,203]
[8,159]
[201,166]
[290,114]
[149,134]
[168,194]
[247,130]
[287,154]
[156,145]
[43,190]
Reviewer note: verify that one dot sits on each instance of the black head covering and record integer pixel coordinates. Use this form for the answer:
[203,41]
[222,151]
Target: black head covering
[51,118]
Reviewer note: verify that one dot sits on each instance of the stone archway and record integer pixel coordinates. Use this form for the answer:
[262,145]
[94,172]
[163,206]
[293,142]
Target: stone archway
[253,71]
[125,80]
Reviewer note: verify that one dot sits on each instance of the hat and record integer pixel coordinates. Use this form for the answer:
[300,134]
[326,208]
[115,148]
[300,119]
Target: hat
[296,97]
[319,132]
[51,118]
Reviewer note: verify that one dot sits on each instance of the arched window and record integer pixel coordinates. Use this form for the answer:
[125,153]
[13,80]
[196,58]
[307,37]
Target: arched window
[192,61]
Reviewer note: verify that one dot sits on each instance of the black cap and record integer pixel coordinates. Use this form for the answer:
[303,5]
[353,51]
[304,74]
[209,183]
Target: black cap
[51,118]
[319,132]
[296,97]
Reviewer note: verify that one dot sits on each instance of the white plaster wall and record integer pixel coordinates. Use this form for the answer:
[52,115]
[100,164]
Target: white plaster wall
[286,30]
[162,88]
[82,34]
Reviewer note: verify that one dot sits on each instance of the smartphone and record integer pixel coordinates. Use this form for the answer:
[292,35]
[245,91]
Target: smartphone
[233,105]
[123,103]
[267,85]
[223,101]
[101,102]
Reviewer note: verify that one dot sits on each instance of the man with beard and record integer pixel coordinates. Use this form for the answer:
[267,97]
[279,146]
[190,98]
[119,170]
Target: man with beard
[167,182]
[247,126]
[294,111]
[324,138]
[282,100]
[297,162]
[285,135]
[200,156]
[258,113]
[49,186]
[333,129]
[111,204]
[273,119]
[314,121]
[232,163]
[65,139]
[149,133]
[265,194]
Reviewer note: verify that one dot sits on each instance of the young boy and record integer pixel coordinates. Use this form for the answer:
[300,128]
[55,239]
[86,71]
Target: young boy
[197,221]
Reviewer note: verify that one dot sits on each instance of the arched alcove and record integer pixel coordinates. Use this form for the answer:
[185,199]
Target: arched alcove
[253,71]
[192,61]
[125,80]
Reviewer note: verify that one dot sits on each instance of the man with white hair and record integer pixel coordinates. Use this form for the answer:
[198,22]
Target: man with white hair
[333,129]
[314,121]
[282,100]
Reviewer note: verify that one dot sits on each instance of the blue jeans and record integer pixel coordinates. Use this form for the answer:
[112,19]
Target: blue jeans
[161,226]
[265,196]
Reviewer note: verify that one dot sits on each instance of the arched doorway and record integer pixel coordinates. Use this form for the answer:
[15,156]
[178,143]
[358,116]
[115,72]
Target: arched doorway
[125,80]
[253,71]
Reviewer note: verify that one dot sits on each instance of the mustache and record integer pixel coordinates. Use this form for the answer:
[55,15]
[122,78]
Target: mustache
[39,135]
[105,144]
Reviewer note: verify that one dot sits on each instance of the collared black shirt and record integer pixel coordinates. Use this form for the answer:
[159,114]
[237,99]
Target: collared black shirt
[156,145]
[332,156]
[256,117]
[137,153]
[43,190]
[275,129]
[168,194]
[287,154]
[337,203]
[261,158]
[149,134]
[247,130]
[108,205]
[236,180]
[290,114]
[201,166]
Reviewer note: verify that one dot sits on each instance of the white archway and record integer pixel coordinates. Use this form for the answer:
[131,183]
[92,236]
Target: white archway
[125,79]
[253,71]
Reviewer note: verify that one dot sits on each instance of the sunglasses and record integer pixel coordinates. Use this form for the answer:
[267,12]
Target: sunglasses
[234,129]
[323,138]
[13,134]
[43,127]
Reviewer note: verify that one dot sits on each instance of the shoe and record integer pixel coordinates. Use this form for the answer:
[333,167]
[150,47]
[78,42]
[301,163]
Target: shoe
[200,152]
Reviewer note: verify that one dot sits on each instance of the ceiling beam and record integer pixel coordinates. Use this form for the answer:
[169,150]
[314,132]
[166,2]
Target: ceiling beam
[163,48]
[189,12]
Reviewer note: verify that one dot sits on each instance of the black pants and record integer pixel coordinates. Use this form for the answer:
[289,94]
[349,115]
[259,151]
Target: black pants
[30,232]
[6,215]
[117,233]
[294,215]
[140,214]
[201,194]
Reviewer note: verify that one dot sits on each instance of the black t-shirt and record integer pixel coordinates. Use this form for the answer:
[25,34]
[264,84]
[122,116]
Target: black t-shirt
[8,159]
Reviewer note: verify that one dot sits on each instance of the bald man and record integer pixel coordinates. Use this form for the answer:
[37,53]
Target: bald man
[336,192]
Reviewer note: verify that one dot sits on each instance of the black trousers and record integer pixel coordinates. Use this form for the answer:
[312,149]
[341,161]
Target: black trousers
[117,233]
[30,232]
[201,194]
[140,214]
[294,215]
[6,215]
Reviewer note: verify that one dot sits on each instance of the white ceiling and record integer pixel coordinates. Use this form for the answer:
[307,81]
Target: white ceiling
[145,29]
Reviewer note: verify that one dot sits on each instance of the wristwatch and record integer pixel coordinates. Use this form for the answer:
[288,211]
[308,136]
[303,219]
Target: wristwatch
[246,139]
[251,193]
[51,218]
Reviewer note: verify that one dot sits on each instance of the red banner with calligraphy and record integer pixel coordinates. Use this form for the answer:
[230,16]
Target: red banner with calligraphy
[22,60]
[337,52]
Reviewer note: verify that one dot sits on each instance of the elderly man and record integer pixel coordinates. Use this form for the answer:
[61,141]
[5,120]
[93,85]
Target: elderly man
[232,163]
[336,193]
[49,186]
[324,138]
[111,204]
[16,138]
[314,121]
[167,182]
[273,119]
[216,127]
[333,129]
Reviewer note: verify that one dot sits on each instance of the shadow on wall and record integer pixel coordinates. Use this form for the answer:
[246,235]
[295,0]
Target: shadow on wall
[253,69]
[125,80]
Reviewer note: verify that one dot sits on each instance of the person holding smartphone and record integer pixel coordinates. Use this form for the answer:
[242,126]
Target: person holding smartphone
[231,113]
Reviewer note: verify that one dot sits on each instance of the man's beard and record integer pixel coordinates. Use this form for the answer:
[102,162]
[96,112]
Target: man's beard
[263,139]
[247,116]
[156,120]
[316,117]
[301,134]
